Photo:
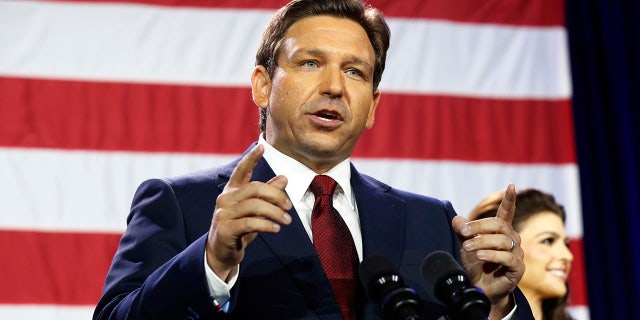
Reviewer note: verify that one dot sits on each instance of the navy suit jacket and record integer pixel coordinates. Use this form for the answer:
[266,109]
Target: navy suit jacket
[158,270]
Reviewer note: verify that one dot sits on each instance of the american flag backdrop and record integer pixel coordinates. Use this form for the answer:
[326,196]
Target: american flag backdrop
[96,96]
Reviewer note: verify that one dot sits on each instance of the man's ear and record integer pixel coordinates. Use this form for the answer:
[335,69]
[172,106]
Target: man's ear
[372,109]
[260,86]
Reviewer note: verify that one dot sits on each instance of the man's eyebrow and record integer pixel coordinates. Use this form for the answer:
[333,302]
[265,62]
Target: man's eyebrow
[310,52]
[315,52]
[357,60]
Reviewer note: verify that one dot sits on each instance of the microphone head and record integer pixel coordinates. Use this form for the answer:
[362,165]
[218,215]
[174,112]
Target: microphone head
[378,275]
[436,268]
[452,286]
[385,286]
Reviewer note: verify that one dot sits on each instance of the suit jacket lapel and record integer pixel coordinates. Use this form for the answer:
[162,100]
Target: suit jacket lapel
[295,251]
[382,218]
[292,242]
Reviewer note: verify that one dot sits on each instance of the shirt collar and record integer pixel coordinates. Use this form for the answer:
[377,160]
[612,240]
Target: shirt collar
[300,176]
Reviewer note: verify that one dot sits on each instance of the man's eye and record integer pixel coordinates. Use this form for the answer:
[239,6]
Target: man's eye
[310,64]
[354,72]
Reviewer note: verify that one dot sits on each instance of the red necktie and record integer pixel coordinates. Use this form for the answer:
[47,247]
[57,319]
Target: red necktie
[334,245]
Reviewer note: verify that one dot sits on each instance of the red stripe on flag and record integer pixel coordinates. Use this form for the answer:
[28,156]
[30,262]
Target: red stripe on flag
[512,12]
[69,268]
[54,268]
[577,278]
[171,118]
[542,13]
[470,129]
[131,117]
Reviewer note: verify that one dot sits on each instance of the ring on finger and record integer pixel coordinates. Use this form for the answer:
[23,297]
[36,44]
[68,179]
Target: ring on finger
[513,244]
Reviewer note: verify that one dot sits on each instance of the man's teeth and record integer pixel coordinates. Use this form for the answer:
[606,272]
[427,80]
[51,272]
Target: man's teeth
[326,117]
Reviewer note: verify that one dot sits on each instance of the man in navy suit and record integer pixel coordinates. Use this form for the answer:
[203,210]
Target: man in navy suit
[236,242]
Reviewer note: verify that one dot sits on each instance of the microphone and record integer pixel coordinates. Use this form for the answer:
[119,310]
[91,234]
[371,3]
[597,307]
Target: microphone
[385,286]
[452,286]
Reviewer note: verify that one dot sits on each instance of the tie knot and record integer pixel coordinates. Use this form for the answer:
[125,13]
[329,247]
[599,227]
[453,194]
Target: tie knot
[322,185]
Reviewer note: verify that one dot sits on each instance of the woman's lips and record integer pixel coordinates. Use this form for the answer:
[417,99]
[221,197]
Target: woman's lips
[560,273]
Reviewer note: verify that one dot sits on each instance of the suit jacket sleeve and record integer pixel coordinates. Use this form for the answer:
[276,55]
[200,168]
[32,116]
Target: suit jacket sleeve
[157,271]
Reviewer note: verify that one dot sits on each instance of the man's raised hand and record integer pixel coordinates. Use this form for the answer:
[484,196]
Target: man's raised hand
[491,253]
[243,209]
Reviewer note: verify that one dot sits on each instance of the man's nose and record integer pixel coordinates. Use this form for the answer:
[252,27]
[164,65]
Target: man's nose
[332,83]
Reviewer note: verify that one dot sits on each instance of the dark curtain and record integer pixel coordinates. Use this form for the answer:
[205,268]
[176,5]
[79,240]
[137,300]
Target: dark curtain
[604,44]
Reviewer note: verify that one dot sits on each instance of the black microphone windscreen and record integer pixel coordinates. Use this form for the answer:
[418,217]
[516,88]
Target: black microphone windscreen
[451,285]
[375,266]
[384,284]
[437,265]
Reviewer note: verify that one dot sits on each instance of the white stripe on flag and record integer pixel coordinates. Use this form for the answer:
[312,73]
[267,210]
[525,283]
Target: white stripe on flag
[82,190]
[439,57]
[153,44]
[45,312]
[92,191]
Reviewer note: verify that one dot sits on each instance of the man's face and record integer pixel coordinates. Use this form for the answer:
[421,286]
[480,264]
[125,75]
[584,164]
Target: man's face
[321,95]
